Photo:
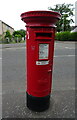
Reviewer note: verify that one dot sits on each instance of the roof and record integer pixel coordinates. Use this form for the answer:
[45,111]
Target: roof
[75,29]
[7,24]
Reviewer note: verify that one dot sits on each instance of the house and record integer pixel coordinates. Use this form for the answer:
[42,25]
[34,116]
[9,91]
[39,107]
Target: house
[4,27]
[74,28]
[76,13]
[76,16]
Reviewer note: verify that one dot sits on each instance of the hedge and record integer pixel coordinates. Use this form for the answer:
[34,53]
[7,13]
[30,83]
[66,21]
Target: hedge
[66,36]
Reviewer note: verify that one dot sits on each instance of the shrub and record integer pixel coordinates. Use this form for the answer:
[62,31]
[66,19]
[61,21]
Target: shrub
[58,36]
[73,36]
[66,36]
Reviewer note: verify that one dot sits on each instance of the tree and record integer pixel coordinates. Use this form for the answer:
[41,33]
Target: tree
[19,32]
[8,36]
[18,38]
[22,33]
[66,11]
[0,39]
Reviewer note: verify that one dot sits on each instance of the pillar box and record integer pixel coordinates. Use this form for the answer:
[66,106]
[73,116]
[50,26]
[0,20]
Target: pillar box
[40,33]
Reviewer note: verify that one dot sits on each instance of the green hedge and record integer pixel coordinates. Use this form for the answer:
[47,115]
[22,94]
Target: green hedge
[66,36]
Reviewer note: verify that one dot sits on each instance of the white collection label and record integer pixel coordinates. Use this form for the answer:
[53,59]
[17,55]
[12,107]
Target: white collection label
[42,62]
[43,51]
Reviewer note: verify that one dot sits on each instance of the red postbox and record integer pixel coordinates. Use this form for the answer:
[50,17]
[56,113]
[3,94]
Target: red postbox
[40,27]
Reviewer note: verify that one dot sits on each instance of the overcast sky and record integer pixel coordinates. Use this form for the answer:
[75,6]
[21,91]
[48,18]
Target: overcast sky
[10,10]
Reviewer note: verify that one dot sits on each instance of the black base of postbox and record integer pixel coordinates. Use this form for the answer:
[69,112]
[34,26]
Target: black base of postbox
[38,104]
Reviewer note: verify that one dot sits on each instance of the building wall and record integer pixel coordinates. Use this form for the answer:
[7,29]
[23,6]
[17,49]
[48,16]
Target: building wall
[4,27]
[76,13]
[0,27]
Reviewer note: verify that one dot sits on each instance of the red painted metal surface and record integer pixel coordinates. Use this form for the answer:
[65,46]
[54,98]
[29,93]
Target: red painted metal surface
[40,49]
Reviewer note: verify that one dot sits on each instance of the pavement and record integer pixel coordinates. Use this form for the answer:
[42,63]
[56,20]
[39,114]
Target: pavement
[12,45]
[62,102]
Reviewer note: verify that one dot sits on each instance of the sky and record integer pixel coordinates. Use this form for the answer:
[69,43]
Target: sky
[10,10]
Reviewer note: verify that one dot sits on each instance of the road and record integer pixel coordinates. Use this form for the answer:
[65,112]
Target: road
[63,88]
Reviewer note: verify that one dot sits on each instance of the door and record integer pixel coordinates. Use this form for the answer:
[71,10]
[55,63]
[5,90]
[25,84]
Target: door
[44,68]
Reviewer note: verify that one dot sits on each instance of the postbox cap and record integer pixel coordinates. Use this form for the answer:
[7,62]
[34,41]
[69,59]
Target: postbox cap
[40,17]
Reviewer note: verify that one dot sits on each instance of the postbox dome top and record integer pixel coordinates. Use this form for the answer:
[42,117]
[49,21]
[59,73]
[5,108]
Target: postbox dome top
[40,17]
